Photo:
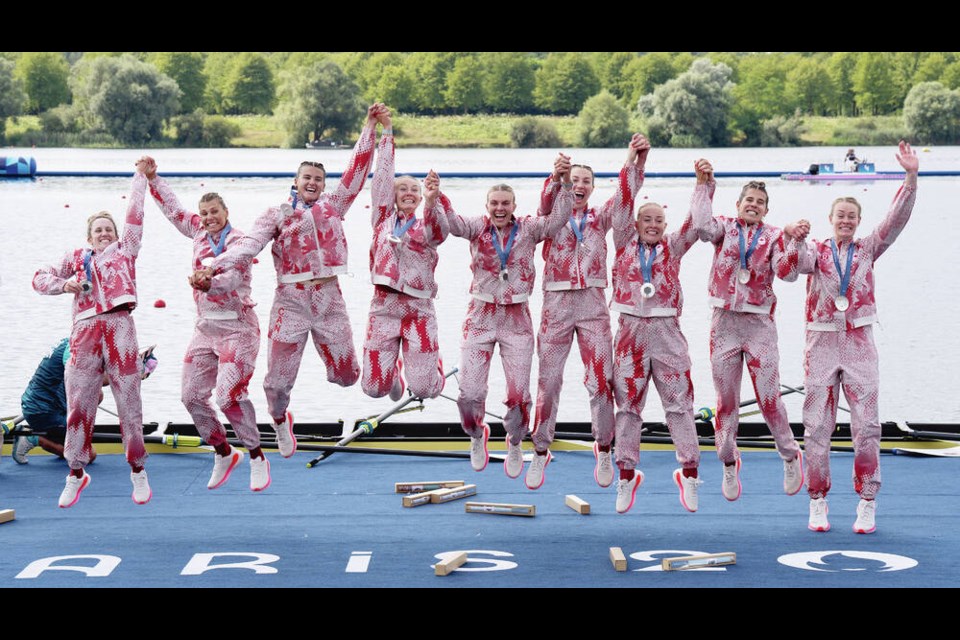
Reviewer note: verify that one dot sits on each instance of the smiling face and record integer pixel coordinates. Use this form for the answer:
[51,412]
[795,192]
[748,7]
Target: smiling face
[501,205]
[213,213]
[752,205]
[101,231]
[582,177]
[408,194]
[651,223]
[311,180]
[845,218]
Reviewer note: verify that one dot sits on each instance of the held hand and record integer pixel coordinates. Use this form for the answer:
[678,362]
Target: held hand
[431,189]
[639,150]
[384,116]
[907,158]
[147,166]
[560,165]
[201,279]
[704,171]
[372,112]
[72,286]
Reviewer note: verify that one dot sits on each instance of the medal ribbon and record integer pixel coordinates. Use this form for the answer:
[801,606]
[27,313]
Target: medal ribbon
[646,267]
[744,252]
[578,228]
[844,276]
[503,253]
[217,247]
[400,229]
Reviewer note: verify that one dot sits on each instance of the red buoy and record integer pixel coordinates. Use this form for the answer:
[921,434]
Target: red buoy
[160,304]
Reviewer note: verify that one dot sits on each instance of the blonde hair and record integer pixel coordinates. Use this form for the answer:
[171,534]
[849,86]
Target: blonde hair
[647,205]
[502,187]
[101,214]
[850,200]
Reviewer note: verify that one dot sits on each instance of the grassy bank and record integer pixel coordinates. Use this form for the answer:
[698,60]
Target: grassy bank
[484,131]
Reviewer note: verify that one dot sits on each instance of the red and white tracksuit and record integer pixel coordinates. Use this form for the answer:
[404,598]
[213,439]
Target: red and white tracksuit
[104,336]
[574,277]
[840,350]
[743,329]
[309,251]
[226,336]
[499,314]
[649,343]
[401,313]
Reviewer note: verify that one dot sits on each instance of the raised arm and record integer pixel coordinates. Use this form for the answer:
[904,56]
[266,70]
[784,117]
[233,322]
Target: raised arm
[133,225]
[796,233]
[701,204]
[902,206]
[358,166]
[186,222]
[551,186]
[244,249]
[620,207]
[381,188]
[545,227]
[467,228]
[706,226]
[435,222]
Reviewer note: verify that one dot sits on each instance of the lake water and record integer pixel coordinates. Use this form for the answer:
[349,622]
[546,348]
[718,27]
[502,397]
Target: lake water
[918,280]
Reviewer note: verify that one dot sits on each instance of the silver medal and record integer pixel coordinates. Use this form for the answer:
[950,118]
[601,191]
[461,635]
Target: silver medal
[743,276]
[647,290]
[503,274]
[85,286]
[394,239]
[842,303]
[207,262]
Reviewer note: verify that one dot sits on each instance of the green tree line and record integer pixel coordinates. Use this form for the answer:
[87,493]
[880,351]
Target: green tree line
[679,98]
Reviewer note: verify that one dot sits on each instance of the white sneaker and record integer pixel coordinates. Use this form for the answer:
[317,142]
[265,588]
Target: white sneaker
[793,474]
[689,490]
[627,490]
[141,487]
[223,466]
[818,515]
[259,473]
[603,469]
[286,441]
[866,517]
[513,465]
[731,481]
[535,475]
[21,447]
[479,455]
[399,382]
[72,489]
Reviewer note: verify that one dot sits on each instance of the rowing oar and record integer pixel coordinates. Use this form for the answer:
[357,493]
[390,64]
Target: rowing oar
[368,426]
[706,414]
[800,390]
[174,440]
[742,443]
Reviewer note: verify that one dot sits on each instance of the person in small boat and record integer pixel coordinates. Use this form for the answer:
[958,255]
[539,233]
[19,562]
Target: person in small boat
[309,252]
[748,255]
[840,349]
[649,346]
[43,404]
[223,351]
[853,162]
[502,261]
[403,258]
[574,304]
[102,281]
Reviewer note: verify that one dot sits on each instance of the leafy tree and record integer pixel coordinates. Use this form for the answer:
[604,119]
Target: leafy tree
[395,87]
[931,114]
[951,75]
[186,68]
[320,100]
[841,66]
[12,97]
[693,109]
[930,69]
[129,99]
[44,75]
[781,131]
[199,130]
[760,90]
[534,133]
[465,85]
[603,122]
[217,69]
[873,83]
[250,86]
[808,85]
[509,81]
[564,83]
[430,68]
[614,77]
[646,73]
[370,69]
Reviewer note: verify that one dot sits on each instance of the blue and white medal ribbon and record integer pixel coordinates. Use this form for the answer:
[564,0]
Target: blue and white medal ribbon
[217,247]
[578,227]
[841,301]
[87,284]
[503,253]
[400,229]
[646,268]
[744,274]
